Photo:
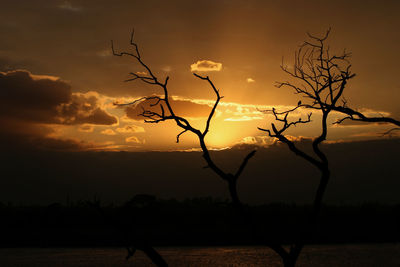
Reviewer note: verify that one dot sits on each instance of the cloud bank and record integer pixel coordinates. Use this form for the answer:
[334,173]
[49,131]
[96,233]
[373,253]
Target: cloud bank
[32,106]
[184,108]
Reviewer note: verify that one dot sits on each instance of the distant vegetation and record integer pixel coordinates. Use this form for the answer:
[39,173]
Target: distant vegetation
[191,222]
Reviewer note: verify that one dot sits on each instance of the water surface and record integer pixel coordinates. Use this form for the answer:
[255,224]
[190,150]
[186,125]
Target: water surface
[357,255]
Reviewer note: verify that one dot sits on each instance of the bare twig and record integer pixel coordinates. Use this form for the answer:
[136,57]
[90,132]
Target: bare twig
[390,131]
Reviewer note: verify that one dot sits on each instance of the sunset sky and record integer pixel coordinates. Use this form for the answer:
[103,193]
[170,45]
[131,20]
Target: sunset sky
[59,79]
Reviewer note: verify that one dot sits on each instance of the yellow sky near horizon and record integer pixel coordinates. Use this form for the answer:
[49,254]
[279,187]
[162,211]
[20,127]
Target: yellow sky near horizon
[232,124]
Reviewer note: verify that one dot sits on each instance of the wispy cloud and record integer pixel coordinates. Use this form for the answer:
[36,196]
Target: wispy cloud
[166,68]
[86,128]
[104,53]
[244,118]
[66,5]
[183,107]
[250,80]
[130,129]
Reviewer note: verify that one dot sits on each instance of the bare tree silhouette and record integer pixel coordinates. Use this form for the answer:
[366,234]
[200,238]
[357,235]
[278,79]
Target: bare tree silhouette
[322,79]
[166,112]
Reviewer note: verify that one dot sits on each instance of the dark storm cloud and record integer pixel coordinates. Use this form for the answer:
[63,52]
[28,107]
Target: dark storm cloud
[26,142]
[84,109]
[184,108]
[47,99]
[21,136]
[33,98]
[30,104]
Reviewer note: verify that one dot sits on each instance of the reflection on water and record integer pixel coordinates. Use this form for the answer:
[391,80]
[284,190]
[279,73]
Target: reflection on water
[365,255]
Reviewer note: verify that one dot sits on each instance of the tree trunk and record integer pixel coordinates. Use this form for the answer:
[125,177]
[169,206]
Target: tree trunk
[155,257]
[289,261]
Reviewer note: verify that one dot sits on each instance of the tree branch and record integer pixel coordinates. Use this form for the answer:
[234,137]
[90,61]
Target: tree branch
[152,116]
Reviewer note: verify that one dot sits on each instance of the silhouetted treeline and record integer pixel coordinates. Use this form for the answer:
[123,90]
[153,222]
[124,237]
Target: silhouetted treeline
[197,221]
[364,171]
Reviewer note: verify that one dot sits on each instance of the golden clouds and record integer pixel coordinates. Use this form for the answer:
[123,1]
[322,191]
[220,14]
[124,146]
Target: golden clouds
[130,129]
[250,80]
[205,65]
[108,132]
[141,73]
[84,108]
[132,139]
[249,140]
[86,128]
[200,108]
[253,142]
[41,111]
[237,112]
[244,118]
[185,108]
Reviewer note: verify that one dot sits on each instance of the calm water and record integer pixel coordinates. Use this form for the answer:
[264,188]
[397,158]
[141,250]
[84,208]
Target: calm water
[365,255]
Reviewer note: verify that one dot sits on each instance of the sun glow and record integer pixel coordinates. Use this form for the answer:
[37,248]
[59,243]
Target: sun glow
[221,137]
